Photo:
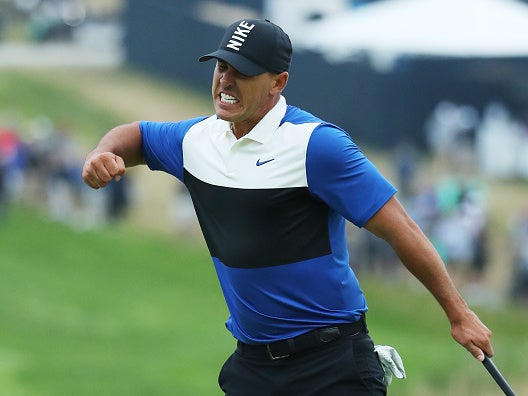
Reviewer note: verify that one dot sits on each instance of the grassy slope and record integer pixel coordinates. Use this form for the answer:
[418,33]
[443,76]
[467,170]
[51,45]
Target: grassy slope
[115,313]
[108,313]
[26,97]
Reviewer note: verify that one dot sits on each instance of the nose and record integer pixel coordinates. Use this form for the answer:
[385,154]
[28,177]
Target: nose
[227,76]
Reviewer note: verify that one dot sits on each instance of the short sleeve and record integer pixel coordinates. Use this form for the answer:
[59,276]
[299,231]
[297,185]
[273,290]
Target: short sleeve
[343,177]
[162,144]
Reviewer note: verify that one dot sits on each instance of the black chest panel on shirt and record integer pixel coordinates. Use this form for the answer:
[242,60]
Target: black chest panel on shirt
[253,228]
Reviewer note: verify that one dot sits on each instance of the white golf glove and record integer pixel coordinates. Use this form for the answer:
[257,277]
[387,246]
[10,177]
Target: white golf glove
[391,362]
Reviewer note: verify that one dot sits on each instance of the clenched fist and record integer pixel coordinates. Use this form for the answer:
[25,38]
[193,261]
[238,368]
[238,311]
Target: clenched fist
[100,168]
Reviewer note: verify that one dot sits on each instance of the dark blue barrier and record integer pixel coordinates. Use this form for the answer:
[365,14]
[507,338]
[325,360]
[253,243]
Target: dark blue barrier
[378,109]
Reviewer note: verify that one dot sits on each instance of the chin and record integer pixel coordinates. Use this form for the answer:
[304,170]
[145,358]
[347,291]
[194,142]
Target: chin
[224,115]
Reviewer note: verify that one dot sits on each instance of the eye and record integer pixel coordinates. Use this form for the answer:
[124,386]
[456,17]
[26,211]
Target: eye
[221,65]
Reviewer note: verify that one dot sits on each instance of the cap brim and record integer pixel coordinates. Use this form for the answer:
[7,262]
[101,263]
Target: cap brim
[239,62]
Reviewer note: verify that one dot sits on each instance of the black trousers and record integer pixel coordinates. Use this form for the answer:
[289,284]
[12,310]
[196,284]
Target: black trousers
[348,366]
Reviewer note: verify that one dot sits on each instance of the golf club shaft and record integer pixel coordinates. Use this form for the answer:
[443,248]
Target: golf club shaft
[497,376]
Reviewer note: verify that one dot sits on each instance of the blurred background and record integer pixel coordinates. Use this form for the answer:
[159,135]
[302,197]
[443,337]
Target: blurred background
[112,290]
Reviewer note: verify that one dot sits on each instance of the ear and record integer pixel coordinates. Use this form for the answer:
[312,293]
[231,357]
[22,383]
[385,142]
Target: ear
[279,82]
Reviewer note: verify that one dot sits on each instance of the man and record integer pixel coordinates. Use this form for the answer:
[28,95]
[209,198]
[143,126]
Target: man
[272,186]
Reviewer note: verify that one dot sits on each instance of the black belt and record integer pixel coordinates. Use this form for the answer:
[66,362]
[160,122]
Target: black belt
[285,348]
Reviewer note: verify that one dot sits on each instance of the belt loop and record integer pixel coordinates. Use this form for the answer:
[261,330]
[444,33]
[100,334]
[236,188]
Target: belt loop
[364,323]
[241,348]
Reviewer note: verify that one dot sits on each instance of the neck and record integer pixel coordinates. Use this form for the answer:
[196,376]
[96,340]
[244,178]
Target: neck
[240,130]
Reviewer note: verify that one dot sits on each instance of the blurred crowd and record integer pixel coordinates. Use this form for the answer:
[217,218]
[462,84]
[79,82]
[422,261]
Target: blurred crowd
[88,22]
[41,166]
[444,189]
[452,211]
[44,19]
[494,146]
[446,192]
[519,238]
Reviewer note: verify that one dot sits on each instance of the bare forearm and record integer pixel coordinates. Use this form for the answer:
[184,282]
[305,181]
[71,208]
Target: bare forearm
[118,149]
[123,141]
[421,258]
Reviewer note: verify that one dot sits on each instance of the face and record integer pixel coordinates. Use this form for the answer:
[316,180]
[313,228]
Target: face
[244,100]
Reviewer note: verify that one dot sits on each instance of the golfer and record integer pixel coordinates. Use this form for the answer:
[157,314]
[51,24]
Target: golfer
[273,186]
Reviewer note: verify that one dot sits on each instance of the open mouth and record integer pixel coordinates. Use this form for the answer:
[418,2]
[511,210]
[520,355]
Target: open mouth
[228,99]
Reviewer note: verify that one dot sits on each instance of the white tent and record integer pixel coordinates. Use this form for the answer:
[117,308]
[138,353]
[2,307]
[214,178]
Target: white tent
[449,28]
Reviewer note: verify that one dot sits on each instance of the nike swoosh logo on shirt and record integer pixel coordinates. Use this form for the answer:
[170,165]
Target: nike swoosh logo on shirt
[259,162]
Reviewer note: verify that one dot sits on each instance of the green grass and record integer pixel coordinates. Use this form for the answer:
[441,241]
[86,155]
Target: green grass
[409,318]
[107,313]
[114,312]
[27,96]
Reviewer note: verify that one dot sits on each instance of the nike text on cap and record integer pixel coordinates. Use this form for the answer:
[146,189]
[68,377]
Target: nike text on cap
[254,46]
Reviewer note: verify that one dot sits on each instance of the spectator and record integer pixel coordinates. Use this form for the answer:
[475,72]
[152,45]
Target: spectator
[519,242]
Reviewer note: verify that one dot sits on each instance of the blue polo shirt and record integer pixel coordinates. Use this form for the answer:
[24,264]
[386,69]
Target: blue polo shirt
[272,207]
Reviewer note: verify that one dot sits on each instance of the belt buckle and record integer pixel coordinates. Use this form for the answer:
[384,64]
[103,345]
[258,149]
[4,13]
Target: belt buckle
[273,357]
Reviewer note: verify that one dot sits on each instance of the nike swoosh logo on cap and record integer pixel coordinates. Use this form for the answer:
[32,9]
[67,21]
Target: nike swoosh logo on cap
[260,163]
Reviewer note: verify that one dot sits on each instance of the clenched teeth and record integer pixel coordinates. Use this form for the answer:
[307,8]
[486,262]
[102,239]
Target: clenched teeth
[225,98]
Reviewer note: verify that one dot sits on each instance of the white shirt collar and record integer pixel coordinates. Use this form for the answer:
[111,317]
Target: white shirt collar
[269,123]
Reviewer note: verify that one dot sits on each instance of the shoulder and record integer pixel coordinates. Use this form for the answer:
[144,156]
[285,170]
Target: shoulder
[330,144]
[321,131]
[326,143]
[170,126]
[296,115]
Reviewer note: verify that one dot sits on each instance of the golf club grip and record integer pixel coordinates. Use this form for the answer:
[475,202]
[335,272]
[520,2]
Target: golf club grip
[497,376]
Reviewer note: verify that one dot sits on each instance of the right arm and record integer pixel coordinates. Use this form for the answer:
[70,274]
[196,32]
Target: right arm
[416,252]
[118,149]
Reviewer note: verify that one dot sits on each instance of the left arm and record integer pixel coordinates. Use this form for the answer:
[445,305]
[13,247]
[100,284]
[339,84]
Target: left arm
[393,224]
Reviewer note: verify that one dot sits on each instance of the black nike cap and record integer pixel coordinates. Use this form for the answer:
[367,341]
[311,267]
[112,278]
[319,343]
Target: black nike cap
[254,46]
